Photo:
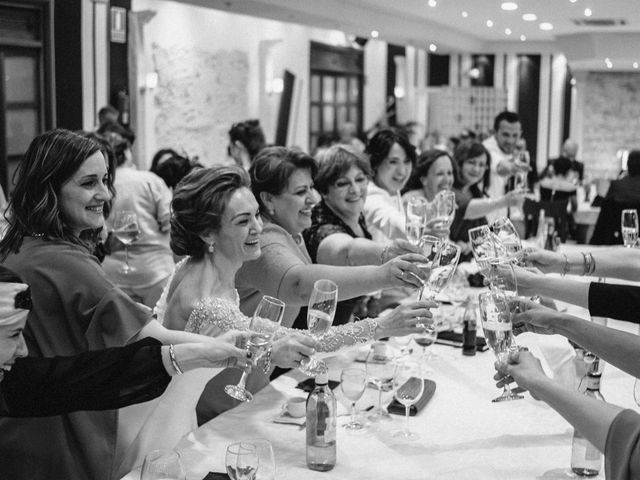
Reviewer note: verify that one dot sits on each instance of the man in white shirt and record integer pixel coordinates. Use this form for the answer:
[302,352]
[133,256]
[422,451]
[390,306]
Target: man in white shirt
[502,147]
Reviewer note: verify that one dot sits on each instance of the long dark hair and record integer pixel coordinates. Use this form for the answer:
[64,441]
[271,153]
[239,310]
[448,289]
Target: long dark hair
[51,160]
[466,152]
[380,144]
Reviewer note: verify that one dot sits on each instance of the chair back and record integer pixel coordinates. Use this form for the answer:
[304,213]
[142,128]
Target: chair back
[556,209]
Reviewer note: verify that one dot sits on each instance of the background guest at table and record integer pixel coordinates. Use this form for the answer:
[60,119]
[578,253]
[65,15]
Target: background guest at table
[470,186]
[147,195]
[96,380]
[502,148]
[391,157]
[64,188]
[569,152]
[612,429]
[217,224]
[246,139]
[173,168]
[627,189]
[338,234]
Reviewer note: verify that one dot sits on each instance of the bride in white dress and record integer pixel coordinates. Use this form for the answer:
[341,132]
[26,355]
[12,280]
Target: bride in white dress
[217,225]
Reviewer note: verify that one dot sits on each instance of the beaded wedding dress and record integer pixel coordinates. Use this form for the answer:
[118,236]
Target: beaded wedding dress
[173,415]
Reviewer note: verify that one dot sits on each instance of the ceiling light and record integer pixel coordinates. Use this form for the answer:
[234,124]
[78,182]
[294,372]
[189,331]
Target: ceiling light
[587,12]
[432,3]
[374,33]
[474,72]
[635,64]
[489,23]
[433,47]
[465,14]
[573,1]
[572,81]
[546,26]
[509,6]
[507,31]
[523,38]
[529,17]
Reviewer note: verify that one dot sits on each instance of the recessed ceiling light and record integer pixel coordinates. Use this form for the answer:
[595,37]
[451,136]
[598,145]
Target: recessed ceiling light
[635,64]
[523,38]
[489,23]
[507,31]
[432,3]
[509,6]
[374,33]
[465,14]
[573,1]
[529,17]
[546,26]
[433,47]
[587,12]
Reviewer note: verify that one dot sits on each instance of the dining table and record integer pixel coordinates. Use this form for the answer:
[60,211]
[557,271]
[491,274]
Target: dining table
[462,434]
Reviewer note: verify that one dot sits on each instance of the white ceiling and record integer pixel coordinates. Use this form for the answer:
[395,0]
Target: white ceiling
[416,22]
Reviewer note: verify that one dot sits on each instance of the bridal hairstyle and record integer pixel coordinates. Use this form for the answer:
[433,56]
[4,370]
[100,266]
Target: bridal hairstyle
[51,160]
[198,204]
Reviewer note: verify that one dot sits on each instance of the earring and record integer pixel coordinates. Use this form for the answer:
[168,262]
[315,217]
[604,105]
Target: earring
[211,249]
[271,211]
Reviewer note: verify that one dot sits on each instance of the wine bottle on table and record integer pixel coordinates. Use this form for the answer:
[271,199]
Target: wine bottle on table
[321,426]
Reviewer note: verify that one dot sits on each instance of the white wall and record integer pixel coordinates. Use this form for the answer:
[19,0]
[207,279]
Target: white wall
[179,29]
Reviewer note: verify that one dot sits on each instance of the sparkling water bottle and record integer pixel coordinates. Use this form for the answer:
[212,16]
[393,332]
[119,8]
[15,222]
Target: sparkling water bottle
[321,426]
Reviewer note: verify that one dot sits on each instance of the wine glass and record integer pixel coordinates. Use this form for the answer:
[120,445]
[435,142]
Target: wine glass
[445,207]
[380,370]
[408,386]
[126,229]
[426,337]
[262,329]
[495,316]
[242,461]
[266,459]
[322,308]
[508,236]
[430,245]
[353,382]
[416,219]
[629,225]
[442,269]
[162,465]
[486,249]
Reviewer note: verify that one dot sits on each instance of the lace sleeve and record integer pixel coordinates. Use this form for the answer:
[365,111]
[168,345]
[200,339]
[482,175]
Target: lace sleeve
[362,331]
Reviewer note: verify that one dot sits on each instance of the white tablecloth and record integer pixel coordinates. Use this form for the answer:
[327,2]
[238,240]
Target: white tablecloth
[463,434]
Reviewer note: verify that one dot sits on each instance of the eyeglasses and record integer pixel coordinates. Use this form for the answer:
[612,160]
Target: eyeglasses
[344,184]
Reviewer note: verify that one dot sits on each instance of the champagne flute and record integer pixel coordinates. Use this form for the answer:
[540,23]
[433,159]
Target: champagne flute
[416,219]
[495,316]
[486,249]
[322,308]
[629,225]
[242,461]
[408,388]
[262,329]
[380,370]
[442,269]
[508,235]
[162,465]
[445,207]
[353,382]
[126,229]
[430,245]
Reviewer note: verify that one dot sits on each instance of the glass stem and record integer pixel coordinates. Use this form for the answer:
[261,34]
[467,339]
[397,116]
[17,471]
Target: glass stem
[380,397]
[243,379]
[126,256]
[353,413]
[406,418]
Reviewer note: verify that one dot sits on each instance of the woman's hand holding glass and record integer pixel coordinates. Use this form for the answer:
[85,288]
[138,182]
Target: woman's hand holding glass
[291,350]
[262,329]
[353,382]
[523,368]
[495,315]
[405,319]
[320,313]
[404,270]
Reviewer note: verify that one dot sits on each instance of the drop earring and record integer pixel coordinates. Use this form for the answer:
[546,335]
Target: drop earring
[211,248]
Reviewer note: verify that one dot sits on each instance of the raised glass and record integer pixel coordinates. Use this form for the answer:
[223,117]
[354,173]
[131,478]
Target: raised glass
[321,310]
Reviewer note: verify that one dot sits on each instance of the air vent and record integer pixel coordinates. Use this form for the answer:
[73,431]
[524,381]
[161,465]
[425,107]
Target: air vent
[599,22]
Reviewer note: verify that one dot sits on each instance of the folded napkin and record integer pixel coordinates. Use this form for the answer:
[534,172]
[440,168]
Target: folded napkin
[454,339]
[217,476]
[397,408]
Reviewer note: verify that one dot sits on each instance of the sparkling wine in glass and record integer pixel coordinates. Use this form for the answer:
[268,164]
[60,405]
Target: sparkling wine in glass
[381,369]
[262,329]
[408,386]
[629,225]
[242,461]
[442,269]
[445,207]
[495,316]
[126,229]
[322,308]
[508,236]
[430,245]
[353,382]
[416,219]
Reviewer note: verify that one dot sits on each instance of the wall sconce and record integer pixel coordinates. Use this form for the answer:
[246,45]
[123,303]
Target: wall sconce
[474,73]
[150,81]
[275,85]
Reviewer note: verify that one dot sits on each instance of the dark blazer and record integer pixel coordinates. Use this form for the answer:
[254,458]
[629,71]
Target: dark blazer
[625,190]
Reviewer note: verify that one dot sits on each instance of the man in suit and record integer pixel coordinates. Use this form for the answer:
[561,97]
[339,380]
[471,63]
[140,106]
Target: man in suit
[627,189]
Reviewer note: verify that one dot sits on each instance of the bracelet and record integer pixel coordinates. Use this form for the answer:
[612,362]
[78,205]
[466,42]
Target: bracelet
[174,362]
[592,263]
[266,366]
[383,254]
[566,267]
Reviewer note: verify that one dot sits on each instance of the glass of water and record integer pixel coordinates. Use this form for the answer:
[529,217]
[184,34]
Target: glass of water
[629,225]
